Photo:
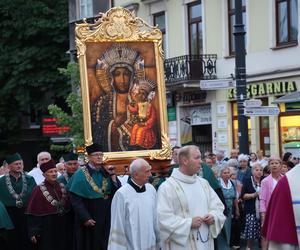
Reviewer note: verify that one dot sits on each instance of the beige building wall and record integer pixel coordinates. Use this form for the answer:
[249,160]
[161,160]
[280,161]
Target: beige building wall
[258,26]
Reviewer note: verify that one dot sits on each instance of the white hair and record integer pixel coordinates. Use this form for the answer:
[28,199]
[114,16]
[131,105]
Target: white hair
[224,167]
[137,164]
[43,153]
[233,163]
[243,157]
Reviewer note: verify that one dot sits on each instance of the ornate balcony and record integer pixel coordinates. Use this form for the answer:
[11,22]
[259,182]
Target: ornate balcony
[190,67]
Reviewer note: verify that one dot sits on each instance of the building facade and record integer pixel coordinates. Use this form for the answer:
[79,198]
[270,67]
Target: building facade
[199,45]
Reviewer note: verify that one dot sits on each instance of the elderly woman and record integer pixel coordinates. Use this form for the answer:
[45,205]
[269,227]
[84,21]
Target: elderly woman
[250,195]
[244,170]
[268,184]
[230,195]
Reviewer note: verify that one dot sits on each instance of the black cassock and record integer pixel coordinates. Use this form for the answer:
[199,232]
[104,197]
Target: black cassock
[93,237]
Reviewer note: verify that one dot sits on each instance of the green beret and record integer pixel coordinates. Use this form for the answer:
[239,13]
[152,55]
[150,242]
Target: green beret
[12,158]
[70,157]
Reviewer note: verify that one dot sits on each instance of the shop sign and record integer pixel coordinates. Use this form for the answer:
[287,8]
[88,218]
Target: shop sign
[171,114]
[200,115]
[217,84]
[193,97]
[261,111]
[265,89]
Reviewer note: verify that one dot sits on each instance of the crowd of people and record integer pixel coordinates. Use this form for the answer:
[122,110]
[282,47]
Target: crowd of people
[206,201]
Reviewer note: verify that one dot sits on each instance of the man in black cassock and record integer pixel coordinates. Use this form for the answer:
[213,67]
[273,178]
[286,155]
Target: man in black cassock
[15,189]
[91,189]
[47,209]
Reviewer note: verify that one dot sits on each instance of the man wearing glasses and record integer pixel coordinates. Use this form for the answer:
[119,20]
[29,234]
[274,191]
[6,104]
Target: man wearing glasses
[91,189]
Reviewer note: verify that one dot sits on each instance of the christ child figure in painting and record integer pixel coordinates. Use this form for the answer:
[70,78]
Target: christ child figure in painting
[143,131]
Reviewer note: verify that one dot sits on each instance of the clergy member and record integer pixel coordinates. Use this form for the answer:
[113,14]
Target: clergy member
[282,222]
[91,189]
[190,214]
[71,164]
[15,189]
[47,208]
[133,212]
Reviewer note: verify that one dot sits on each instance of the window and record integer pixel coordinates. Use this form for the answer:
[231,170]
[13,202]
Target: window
[195,28]
[160,21]
[286,22]
[231,23]
[86,8]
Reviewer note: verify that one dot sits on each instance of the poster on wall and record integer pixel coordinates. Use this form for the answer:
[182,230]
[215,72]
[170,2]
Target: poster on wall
[185,126]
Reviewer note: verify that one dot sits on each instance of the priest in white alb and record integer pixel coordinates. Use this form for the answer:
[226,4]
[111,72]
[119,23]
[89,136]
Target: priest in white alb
[190,214]
[133,212]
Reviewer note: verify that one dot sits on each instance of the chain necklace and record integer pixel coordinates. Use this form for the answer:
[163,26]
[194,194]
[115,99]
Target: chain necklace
[94,186]
[17,197]
[59,203]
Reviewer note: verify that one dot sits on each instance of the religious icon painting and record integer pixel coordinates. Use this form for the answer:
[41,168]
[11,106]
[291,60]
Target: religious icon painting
[123,89]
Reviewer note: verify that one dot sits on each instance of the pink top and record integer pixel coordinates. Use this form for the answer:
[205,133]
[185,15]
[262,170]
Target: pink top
[267,187]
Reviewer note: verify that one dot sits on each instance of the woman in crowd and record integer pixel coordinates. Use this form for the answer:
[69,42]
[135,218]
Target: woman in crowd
[253,159]
[229,192]
[250,195]
[262,160]
[287,157]
[267,186]
[235,238]
[244,170]
[284,168]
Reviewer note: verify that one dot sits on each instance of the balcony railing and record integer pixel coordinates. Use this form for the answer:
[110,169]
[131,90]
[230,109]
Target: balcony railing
[190,67]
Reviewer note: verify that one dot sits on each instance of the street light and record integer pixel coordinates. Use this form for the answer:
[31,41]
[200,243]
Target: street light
[240,76]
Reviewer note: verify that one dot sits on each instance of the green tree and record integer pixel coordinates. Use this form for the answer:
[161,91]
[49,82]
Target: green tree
[74,120]
[33,45]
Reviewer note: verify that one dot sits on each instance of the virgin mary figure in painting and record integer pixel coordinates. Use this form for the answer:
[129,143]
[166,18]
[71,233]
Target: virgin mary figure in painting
[116,71]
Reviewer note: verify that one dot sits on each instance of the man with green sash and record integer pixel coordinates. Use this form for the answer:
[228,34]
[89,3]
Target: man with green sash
[91,189]
[71,164]
[16,187]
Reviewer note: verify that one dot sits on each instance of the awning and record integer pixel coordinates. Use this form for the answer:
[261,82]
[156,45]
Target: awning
[291,97]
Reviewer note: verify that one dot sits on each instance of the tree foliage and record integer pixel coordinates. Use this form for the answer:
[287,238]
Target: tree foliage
[33,45]
[74,120]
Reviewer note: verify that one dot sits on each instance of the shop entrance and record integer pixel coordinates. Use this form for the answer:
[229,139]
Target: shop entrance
[202,137]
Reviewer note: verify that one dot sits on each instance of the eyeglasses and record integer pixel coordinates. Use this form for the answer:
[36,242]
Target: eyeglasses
[97,154]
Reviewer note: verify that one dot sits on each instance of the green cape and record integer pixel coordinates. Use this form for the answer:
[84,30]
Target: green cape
[80,186]
[7,198]
[209,175]
[5,221]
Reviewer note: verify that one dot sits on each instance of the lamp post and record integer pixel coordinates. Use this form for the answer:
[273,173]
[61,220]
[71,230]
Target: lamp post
[240,76]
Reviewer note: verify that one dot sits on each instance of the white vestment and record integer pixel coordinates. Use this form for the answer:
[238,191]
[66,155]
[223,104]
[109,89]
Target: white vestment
[180,198]
[134,220]
[37,174]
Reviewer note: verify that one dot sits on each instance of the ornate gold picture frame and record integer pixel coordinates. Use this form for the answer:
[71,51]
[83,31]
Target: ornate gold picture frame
[123,89]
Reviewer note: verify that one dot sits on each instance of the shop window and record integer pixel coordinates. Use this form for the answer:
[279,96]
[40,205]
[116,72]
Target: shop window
[231,23]
[286,22]
[235,126]
[290,128]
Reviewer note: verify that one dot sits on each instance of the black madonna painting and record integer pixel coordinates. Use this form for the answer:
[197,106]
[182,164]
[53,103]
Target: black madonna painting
[124,106]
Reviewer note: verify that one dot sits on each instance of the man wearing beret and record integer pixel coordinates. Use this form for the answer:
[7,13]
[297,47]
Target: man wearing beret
[91,189]
[16,187]
[47,209]
[71,164]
